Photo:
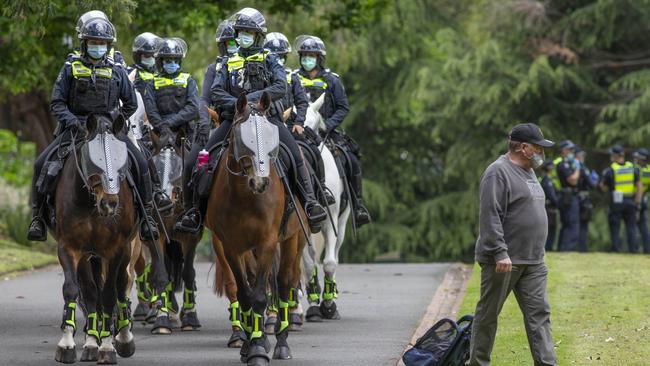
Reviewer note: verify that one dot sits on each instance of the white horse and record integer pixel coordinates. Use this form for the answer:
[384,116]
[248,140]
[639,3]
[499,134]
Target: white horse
[332,233]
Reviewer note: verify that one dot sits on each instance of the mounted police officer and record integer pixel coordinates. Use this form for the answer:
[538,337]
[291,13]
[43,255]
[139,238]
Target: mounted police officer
[641,157]
[254,71]
[552,202]
[278,44]
[228,47]
[113,54]
[172,101]
[316,80]
[144,50]
[588,181]
[623,183]
[91,83]
[568,173]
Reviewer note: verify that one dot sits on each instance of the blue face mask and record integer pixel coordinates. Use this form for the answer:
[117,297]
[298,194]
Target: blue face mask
[245,39]
[171,67]
[148,62]
[232,48]
[308,62]
[97,51]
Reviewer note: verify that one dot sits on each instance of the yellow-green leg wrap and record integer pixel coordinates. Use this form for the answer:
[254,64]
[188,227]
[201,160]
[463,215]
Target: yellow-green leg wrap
[283,315]
[91,326]
[246,320]
[257,326]
[106,325]
[293,299]
[235,313]
[69,310]
[330,292]
[189,299]
[123,309]
[313,288]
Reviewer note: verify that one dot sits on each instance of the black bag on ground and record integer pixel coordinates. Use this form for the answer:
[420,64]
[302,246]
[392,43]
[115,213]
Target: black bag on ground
[446,343]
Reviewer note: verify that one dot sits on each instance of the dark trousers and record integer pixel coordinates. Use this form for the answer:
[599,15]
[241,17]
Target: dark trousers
[551,215]
[528,282]
[583,237]
[570,218]
[625,211]
[642,224]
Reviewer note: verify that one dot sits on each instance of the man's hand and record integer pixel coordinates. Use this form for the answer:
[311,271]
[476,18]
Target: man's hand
[298,129]
[504,266]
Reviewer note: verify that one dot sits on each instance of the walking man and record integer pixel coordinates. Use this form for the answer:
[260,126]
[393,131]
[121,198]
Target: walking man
[510,247]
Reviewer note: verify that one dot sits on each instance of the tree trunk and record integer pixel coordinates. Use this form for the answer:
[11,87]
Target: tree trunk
[28,116]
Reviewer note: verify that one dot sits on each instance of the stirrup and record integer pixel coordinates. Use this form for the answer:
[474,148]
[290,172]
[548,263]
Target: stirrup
[37,230]
[163,202]
[148,231]
[190,222]
[362,216]
[328,196]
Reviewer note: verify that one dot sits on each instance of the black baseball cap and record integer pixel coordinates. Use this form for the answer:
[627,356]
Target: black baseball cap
[530,133]
[567,144]
[616,149]
[643,153]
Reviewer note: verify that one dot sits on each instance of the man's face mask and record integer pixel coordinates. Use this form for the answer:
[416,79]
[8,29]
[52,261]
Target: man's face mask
[308,62]
[245,39]
[171,67]
[570,156]
[282,60]
[232,47]
[97,51]
[537,158]
[148,62]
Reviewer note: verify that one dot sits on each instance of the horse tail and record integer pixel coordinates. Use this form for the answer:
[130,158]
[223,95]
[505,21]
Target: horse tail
[175,260]
[273,280]
[219,285]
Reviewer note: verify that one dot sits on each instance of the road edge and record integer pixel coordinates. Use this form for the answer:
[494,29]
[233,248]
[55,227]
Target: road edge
[445,302]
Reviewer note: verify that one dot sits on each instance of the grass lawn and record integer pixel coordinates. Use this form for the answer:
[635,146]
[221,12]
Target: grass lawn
[14,257]
[600,311]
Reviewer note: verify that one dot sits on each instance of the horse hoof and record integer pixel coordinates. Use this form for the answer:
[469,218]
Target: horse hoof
[107,358]
[66,355]
[140,312]
[175,321]
[162,326]
[257,361]
[295,322]
[151,316]
[89,354]
[257,355]
[269,325]
[314,314]
[329,312]
[189,321]
[125,350]
[282,353]
[237,339]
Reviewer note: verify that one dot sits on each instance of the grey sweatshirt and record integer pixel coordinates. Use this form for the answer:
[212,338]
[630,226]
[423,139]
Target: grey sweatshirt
[512,217]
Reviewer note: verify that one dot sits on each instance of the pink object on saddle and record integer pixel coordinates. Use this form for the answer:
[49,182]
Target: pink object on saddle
[204,158]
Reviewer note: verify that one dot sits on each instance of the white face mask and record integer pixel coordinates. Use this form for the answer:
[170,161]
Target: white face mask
[281,61]
[148,61]
[245,39]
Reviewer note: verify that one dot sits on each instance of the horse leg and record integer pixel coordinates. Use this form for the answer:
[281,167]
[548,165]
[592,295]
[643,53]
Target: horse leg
[272,308]
[286,280]
[89,291]
[189,319]
[225,280]
[160,299]
[330,262]
[312,286]
[66,351]
[107,352]
[142,286]
[124,343]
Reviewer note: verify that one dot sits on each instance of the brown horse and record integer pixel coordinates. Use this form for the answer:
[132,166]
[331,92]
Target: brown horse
[95,220]
[246,212]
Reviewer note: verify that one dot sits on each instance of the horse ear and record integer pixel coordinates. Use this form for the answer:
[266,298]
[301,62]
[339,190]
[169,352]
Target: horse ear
[318,103]
[242,101]
[91,123]
[118,124]
[265,101]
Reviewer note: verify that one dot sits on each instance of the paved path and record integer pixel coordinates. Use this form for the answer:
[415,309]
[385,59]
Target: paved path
[380,306]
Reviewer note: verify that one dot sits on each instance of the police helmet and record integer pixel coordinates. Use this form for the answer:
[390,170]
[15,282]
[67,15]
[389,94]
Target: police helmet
[643,153]
[277,43]
[172,48]
[249,19]
[98,29]
[225,31]
[616,150]
[87,16]
[310,44]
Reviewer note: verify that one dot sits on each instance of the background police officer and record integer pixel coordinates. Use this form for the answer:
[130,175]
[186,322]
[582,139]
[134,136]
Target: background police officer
[92,83]
[144,50]
[227,46]
[568,173]
[622,181]
[588,180]
[641,157]
[316,80]
[552,202]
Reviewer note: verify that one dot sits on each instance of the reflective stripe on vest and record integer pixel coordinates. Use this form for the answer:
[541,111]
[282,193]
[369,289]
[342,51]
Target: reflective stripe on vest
[554,177]
[80,70]
[318,83]
[645,177]
[623,178]
[236,62]
[288,77]
[145,75]
[180,80]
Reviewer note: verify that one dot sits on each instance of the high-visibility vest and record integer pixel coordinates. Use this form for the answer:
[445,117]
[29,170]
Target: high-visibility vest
[145,75]
[554,177]
[81,70]
[624,178]
[236,62]
[180,80]
[645,177]
[318,83]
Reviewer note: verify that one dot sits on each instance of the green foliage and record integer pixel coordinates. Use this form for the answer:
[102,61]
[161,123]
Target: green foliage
[16,159]
[14,223]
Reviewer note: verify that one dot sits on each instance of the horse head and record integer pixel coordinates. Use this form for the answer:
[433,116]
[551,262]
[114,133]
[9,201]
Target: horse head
[313,118]
[255,141]
[104,161]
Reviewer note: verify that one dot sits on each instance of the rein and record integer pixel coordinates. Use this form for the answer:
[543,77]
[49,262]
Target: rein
[76,163]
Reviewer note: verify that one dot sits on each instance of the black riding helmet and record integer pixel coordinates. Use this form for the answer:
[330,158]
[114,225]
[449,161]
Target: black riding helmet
[277,43]
[86,17]
[98,29]
[174,48]
[225,33]
[311,44]
[251,20]
[145,43]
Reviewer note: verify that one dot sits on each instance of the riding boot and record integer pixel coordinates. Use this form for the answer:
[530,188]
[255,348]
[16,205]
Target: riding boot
[314,211]
[326,197]
[192,219]
[361,214]
[162,200]
[148,226]
[37,229]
